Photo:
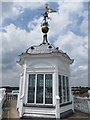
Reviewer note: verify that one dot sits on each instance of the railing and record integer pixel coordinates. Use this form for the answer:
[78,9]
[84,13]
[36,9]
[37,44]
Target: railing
[11,97]
[82,104]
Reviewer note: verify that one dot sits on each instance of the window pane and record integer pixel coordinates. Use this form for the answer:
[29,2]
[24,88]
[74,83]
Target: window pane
[31,88]
[67,84]
[48,89]
[39,94]
[64,89]
[60,88]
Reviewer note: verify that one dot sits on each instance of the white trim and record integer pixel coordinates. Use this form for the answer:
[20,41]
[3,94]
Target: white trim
[66,87]
[40,70]
[40,104]
[35,88]
[27,80]
[62,88]
[24,83]
[52,88]
[65,90]
[44,90]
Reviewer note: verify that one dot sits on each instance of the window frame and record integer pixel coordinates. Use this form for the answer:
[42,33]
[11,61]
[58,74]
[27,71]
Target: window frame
[66,95]
[46,93]
[36,89]
[28,87]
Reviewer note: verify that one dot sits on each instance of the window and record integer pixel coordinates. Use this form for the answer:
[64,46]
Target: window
[67,83]
[60,89]
[39,95]
[64,89]
[31,88]
[48,89]
[40,88]
[64,92]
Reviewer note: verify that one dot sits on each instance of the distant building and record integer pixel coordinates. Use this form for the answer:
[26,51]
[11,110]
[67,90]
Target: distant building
[44,81]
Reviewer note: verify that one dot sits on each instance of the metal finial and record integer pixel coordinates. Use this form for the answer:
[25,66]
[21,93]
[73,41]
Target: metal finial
[44,24]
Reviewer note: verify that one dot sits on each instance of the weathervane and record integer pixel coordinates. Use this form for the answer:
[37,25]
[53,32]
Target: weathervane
[45,24]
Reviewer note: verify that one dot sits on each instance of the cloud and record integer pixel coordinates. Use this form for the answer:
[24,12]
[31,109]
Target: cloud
[84,24]
[68,18]
[79,76]
[14,9]
[27,4]
[9,10]
[75,43]
[14,42]
[11,77]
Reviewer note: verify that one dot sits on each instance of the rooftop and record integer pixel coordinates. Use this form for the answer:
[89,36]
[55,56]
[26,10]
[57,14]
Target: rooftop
[9,111]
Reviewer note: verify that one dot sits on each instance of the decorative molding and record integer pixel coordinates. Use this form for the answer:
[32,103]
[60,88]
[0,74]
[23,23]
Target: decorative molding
[40,63]
[42,70]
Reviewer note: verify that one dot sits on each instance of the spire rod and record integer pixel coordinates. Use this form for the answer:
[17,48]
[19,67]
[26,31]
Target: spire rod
[45,38]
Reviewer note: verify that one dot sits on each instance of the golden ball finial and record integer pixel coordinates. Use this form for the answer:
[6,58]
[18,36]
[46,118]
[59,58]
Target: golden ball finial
[45,29]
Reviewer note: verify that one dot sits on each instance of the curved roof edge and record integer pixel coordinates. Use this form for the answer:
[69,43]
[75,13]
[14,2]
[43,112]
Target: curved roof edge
[45,48]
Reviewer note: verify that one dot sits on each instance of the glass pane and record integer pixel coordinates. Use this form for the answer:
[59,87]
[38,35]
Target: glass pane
[64,89]
[60,89]
[31,88]
[39,94]
[67,84]
[48,89]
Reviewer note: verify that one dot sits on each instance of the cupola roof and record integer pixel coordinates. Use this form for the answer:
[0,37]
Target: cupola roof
[45,48]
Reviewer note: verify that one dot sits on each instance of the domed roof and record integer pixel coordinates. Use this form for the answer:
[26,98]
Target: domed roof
[42,48]
[45,48]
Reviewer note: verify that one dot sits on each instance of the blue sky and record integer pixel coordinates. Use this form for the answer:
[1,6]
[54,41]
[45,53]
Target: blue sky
[21,28]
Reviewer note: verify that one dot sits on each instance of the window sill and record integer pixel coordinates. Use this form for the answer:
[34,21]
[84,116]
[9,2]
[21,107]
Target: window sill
[38,105]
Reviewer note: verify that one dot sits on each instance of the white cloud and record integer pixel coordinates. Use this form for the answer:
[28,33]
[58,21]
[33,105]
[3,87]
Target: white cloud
[71,41]
[14,42]
[28,4]
[16,37]
[84,24]
[9,10]
[11,78]
[73,1]
[79,76]
[68,15]
[14,9]
[75,45]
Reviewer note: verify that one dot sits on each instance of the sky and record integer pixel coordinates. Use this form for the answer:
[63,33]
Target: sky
[20,28]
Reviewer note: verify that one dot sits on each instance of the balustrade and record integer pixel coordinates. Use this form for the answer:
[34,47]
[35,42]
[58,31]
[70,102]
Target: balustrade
[82,104]
[11,97]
